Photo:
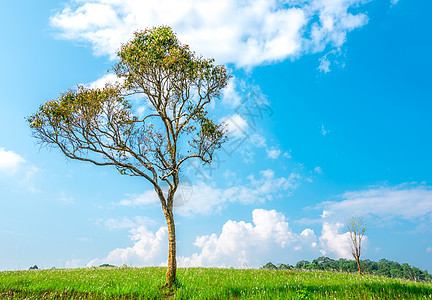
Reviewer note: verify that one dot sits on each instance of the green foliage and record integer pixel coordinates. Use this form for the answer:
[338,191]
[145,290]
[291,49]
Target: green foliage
[158,51]
[270,266]
[201,283]
[302,295]
[383,267]
[35,267]
[99,125]
[80,106]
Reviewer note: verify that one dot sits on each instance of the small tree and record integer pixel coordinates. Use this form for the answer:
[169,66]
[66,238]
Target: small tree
[356,230]
[99,125]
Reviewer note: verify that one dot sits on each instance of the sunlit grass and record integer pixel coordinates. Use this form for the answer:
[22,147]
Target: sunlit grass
[203,283]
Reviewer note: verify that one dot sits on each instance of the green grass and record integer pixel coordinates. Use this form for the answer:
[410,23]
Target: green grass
[202,283]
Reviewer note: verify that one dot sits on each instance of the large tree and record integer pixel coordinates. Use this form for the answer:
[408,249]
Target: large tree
[101,126]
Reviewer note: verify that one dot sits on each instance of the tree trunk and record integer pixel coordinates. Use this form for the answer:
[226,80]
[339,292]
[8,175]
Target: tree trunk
[172,262]
[358,265]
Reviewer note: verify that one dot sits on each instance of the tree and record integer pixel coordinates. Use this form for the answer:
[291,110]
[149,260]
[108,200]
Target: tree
[269,266]
[356,230]
[100,126]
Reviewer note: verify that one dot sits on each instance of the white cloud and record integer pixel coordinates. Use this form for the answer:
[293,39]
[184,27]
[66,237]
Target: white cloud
[10,162]
[236,125]
[273,153]
[101,82]
[149,197]
[258,140]
[231,96]
[206,199]
[318,170]
[324,65]
[16,172]
[399,201]
[149,249]
[74,263]
[324,131]
[333,242]
[243,244]
[287,155]
[240,244]
[429,250]
[246,33]
[326,214]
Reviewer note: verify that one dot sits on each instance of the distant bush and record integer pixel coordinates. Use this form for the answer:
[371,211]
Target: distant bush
[383,267]
[34,268]
[107,265]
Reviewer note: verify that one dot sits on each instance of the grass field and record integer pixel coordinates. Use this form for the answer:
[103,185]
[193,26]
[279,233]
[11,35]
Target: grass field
[203,283]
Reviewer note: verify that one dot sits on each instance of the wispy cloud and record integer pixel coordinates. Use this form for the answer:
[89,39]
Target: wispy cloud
[74,263]
[149,197]
[324,131]
[206,199]
[127,223]
[393,2]
[273,153]
[65,198]
[402,201]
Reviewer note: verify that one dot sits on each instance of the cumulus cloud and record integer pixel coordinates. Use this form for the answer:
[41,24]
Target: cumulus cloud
[334,242]
[243,244]
[239,244]
[245,33]
[149,249]
[10,162]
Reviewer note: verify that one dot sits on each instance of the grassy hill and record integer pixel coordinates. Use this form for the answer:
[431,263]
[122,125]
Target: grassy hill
[203,283]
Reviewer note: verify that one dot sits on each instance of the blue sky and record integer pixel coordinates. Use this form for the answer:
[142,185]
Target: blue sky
[330,100]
